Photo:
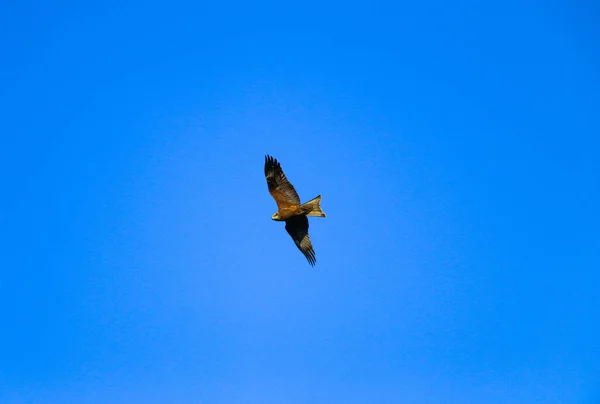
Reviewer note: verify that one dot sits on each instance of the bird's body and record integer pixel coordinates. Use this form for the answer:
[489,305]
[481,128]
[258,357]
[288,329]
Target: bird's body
[307,209]
[285,213]
[289,208]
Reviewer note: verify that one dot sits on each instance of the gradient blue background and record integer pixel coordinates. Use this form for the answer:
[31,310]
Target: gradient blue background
[456,146]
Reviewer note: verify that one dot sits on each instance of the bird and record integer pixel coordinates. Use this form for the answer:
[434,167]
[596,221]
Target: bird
[289,208]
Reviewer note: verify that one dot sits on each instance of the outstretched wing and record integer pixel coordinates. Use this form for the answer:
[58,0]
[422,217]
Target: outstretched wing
[279,187]
[297,227]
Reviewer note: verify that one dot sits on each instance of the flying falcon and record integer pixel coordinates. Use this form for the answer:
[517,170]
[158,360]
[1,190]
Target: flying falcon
[289,208]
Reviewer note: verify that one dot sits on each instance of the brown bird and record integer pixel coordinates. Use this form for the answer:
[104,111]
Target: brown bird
[289,208]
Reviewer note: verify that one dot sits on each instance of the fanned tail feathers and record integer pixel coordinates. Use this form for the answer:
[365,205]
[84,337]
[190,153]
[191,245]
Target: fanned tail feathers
[314,207]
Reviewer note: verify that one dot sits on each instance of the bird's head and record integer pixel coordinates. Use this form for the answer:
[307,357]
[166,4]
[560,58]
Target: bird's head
[275,216]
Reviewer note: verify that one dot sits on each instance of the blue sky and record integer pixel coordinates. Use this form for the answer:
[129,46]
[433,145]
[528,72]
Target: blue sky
[456,148]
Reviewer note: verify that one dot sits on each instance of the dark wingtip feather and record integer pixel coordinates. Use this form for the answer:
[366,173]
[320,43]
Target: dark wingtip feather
[271,164]
[268,164]
[310,256]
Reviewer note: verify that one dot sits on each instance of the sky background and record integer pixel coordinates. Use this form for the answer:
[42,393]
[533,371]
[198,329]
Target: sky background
[456,146]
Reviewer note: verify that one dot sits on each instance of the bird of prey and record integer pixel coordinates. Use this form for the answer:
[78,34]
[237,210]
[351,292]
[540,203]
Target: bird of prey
[289,208]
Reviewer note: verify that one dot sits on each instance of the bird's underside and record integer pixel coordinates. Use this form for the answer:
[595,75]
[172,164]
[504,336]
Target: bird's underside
[290,209]
[286,213]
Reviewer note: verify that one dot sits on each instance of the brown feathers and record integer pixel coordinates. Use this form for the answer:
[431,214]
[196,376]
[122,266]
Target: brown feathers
[289,208]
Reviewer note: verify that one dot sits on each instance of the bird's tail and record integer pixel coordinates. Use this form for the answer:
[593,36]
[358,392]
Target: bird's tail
[313,207]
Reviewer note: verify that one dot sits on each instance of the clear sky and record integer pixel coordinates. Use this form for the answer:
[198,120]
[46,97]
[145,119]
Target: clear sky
[456,146]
